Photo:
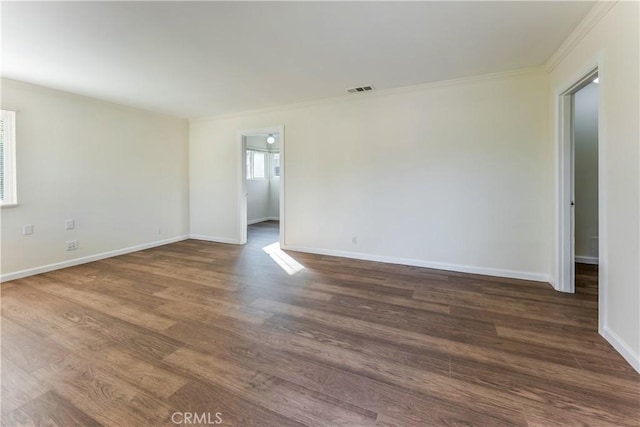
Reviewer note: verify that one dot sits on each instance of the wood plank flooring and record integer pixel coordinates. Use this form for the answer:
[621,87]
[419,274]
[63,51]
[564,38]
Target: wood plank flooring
[204,328]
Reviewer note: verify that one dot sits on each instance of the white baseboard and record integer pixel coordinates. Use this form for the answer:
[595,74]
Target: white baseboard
[266,218]
[524,275]
[83,260]
[255,221]
[214,239]
[587,259]
[622,348]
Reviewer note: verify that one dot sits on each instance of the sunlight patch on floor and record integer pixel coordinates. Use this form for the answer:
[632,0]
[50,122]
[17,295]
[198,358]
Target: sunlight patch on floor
[288,264]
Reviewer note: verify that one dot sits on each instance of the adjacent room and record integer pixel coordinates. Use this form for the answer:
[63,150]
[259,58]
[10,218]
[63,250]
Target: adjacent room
[262,184]
[320,213]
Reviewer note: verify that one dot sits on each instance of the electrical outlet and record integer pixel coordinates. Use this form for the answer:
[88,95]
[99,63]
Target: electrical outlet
[69,224]
[71,245]
[27,229]
[354,240]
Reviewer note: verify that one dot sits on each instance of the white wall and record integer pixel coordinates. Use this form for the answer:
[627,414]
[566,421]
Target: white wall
[274,197]
[586,173]
[455,175]
[119,172]
[614,44]
[257,200]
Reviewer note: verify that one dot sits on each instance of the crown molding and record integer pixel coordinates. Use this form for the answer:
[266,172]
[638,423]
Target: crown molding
[376,94]
[597,12]
[29,85]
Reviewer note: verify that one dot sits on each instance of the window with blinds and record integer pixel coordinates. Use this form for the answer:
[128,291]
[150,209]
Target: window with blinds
[7,158]
[256,164]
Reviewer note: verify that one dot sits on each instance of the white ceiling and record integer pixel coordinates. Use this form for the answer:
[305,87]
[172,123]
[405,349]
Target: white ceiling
[207,58]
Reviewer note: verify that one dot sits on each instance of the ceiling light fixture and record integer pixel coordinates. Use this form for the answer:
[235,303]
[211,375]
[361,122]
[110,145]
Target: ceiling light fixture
[271,139]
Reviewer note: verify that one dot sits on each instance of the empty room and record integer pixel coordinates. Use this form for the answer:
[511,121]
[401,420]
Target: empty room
[320,213]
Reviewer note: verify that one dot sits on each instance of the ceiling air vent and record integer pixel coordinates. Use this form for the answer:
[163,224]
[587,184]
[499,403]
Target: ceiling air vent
[360,89]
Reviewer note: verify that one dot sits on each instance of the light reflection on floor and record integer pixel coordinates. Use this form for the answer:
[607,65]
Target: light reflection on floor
[288,264]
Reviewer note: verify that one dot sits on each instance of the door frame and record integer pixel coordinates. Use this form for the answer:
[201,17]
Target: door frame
[566,187]
[565,211]
[242,180]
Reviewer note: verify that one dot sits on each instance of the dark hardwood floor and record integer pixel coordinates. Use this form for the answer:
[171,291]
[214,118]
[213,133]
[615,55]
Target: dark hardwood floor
[203,328]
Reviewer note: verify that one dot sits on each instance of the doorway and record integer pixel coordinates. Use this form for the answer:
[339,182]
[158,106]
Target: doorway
[584,91]
[580,207]
[585,188]
[261,184]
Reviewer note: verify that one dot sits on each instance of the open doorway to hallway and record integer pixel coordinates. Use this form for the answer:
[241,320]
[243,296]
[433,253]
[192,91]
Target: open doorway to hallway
[579,186]
[585,188]
[263,234]
[262,157]
[261,182]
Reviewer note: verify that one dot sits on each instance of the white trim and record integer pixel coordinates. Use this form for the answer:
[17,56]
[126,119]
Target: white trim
[243,192]
[266,218]
[10,165]
[587,259]
[374,94]
[214,239]
[83,260]
[603,233]
[621,347]
[564,186]
[255,221]
[281,191]
[512,274]
[564,253]
[597,12]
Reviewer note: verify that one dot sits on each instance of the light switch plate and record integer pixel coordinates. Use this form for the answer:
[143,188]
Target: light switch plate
[69,224]
[27,229]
